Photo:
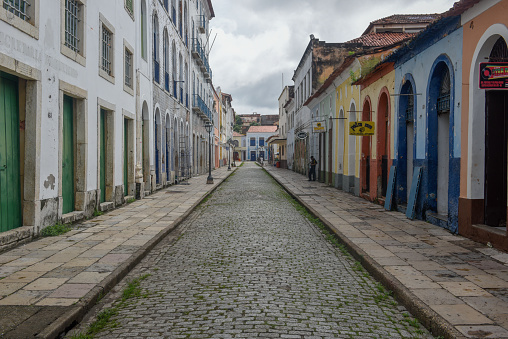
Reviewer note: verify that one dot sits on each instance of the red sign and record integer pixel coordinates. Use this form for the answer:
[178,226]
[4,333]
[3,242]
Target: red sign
[494,75]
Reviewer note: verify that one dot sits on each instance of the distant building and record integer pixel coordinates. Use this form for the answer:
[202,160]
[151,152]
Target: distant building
[270,120]
[256,141]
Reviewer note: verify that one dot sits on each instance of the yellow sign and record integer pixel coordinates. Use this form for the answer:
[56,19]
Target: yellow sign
[318,126]
[361,128]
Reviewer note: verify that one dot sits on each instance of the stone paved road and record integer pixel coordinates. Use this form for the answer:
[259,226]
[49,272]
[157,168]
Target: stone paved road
[248,264]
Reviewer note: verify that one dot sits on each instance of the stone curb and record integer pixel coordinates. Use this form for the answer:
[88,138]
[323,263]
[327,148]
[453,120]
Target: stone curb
[436,324]
[77,313]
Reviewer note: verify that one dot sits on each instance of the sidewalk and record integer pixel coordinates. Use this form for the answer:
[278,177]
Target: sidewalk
[50,283]
[455,286]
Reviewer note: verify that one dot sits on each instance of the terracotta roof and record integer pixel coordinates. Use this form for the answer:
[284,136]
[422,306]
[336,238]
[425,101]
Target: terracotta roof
[262,129]
[404,19]
[381,39]
[236,134]
[460,7]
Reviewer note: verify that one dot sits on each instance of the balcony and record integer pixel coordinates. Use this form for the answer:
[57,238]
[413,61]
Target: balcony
[199,106]
[202,24]
[198,53]
[156,71]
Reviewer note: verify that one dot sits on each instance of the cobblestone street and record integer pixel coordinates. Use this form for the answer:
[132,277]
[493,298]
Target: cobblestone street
[248,264]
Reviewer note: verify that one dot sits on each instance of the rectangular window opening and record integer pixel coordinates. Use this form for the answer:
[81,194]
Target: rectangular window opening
[72,24]
[18,7]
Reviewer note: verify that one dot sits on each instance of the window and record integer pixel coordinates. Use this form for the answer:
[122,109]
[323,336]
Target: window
[173,11]
[156,68]
[143,29]
[261,142]
[18,7]
[410,105]
[71,25]
[166,60]
[443,101]
[253,141]
[129,6]
[128,68]
[22,14]
[107,49]
[72,35]
[180,9]
[173,59]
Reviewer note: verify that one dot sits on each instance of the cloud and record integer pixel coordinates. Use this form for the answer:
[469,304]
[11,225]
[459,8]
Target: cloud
[259,40]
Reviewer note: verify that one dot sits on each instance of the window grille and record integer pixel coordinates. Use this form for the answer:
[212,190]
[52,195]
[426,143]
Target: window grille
[443,101]
[71,24]
[129,6]
[106,50]
[410,105]
[128,68]
[18,7]
[499,52]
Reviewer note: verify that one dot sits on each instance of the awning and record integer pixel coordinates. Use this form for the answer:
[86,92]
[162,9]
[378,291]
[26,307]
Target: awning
[277,141]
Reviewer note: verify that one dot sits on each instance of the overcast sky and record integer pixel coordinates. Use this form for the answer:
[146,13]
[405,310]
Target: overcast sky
[259,40]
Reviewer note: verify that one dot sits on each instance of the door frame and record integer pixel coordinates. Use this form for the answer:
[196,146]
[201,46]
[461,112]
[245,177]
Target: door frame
[80,104]
[110,110]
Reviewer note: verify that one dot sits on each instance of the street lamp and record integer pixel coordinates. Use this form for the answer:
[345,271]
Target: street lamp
[209,127]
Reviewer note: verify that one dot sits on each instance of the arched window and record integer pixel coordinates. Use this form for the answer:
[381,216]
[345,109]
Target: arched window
[173,59]
[499,52]
[156,49]
[143,29]
[186,79]
[180,22]
[180,77]
[410,104]
[443,101]
[185,27]
[173,11]
[166,60]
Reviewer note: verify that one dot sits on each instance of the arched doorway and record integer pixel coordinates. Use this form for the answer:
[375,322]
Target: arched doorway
[406,133]
[351,151]
[439,120]
[383,144]
[366,152]
[168,148]
[496,139]
[340,149]
[157,145]
[145,151]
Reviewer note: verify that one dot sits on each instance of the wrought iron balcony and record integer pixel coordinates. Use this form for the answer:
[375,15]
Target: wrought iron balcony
[202,24]
[200,107]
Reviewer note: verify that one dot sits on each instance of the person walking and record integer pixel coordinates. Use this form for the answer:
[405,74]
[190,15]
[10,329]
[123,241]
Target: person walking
[312,171]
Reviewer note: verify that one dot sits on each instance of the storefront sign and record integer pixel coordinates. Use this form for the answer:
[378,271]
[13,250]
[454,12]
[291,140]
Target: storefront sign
[318,127]
[302,135]
[493,75]
[361,128]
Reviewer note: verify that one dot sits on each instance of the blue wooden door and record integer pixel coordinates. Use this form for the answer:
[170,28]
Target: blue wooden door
[157,174]
[253,156]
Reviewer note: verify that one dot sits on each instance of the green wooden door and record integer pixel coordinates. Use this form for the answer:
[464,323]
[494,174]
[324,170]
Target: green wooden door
[125,157]
[68,156]
[102,141]
[10,185]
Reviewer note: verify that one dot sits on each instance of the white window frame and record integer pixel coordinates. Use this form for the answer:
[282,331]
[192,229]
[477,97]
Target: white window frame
[126,87]
[30,26]
[104,23]
[80,55]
